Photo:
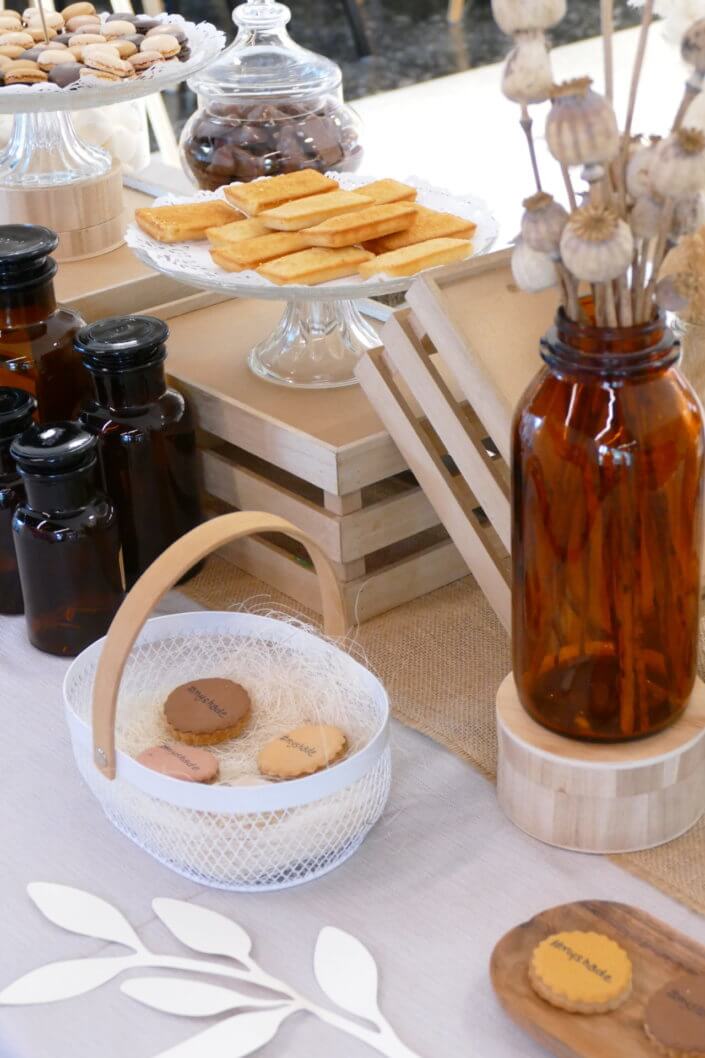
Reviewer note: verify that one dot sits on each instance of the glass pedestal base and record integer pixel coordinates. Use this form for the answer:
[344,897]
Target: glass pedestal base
[315,345]
[44,150]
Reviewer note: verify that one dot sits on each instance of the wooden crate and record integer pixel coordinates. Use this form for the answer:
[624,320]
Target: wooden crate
[321,459]
[460,358]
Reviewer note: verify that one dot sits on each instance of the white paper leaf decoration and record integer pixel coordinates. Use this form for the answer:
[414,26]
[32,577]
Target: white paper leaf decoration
[81,912]
[203,930]
[234,1037]
[191,999]
[346,972]
[63,980]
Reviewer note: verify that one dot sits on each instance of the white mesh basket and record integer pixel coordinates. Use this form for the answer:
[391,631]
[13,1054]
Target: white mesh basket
[232,837]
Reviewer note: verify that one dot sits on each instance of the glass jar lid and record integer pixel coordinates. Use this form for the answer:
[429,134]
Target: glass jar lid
[24,254]
[53,448]
[263,60]
[120,343]
[17,407]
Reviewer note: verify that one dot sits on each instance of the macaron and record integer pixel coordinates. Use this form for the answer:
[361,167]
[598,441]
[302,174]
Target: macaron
[17,38]
[82,8]
[65,74]
[171,29]
[164,43]
[122,16]
[144,23]
[51,57]
[85,23]
[4,63]
[52,18]
[118,28]
[24,73]
[105,59]
[36,32]
[125,47]
[8,24]
[143,60]
[12,51]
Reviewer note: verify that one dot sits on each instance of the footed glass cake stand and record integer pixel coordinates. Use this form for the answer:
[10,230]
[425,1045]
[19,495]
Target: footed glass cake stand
[323,332]
[44,149]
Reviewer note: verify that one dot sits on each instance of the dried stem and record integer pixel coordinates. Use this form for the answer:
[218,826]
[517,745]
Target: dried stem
[40,8]
[659,255]
[607,19]
[527,123]
[569,188]
[610,306]
[570,291]
[646,20]
[693,88]
[626,315]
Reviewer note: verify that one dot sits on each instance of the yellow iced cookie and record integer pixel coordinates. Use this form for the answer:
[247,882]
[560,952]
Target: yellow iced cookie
[584,973]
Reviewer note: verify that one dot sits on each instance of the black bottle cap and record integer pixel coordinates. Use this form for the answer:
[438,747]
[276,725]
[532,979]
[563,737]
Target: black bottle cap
[24,254]
[53,448]
[120,343]
[17,407]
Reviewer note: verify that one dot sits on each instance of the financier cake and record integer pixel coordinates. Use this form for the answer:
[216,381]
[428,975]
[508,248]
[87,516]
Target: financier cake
[206,712]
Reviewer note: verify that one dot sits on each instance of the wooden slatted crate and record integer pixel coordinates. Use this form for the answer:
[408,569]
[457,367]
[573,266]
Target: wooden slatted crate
[322,459]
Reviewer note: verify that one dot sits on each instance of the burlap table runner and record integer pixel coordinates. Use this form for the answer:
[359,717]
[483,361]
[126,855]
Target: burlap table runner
[442,658]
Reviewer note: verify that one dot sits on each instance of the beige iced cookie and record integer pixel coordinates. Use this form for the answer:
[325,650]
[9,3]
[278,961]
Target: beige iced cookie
[305,750]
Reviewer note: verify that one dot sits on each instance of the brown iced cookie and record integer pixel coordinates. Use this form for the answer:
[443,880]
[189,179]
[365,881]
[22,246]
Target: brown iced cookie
[188,764]
[675,1018]
[205,712]
[303,751]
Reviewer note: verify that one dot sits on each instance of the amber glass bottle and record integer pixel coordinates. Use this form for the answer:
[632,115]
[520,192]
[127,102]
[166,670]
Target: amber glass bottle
[146,438]
[36,337]
[66,538]
[16,411]
[607,533]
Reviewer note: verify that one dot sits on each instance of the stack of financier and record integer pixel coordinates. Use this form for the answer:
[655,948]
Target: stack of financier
[302,228]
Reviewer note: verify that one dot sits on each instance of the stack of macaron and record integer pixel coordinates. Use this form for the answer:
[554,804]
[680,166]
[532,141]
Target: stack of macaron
[77,43]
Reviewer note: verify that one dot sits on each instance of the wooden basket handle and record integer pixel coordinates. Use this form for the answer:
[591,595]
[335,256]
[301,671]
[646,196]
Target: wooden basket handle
[163,575]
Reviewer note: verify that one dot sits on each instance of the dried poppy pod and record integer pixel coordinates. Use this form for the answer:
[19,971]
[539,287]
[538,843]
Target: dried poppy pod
[528,77]
[693,46]
[679,164]
[581,128]
[513,16]
[596,245]
[645,217]
[688,215]
[638,171]
[533,271]
[543,223]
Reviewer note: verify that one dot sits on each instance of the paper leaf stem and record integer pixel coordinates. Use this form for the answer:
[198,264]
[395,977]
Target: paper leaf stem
[346,972]
[233,1037]
[191,999]
[203,930]
[84,913]
[63,980]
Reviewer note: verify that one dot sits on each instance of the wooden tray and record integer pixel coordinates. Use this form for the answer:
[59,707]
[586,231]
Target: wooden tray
[658,954]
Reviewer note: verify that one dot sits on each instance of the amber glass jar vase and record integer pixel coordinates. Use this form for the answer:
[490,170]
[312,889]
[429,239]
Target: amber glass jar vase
[36,335]
[607,529]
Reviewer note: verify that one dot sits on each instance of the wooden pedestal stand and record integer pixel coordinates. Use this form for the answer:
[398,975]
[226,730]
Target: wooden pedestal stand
[88,215]
[590,797]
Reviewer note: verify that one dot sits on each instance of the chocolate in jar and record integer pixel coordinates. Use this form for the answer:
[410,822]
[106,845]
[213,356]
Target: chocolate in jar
[234,141]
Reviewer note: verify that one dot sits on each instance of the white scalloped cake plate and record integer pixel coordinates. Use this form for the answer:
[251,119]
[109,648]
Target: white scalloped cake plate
[190,262]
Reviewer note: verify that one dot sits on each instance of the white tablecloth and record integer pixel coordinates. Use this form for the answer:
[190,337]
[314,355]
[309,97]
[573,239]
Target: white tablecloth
[437,883]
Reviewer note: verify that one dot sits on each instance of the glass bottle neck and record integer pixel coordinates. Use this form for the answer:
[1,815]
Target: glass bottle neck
[60,493]
[121,390]
[609,352]
[27,306]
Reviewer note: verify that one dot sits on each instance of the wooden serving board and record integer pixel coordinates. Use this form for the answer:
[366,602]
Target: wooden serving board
[658,954]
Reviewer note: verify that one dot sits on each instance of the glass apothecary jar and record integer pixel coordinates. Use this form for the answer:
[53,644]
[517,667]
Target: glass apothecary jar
[607,473]
[268,106]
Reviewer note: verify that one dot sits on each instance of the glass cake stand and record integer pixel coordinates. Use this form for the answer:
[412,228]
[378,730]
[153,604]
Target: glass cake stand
[44,149]
[322,333]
